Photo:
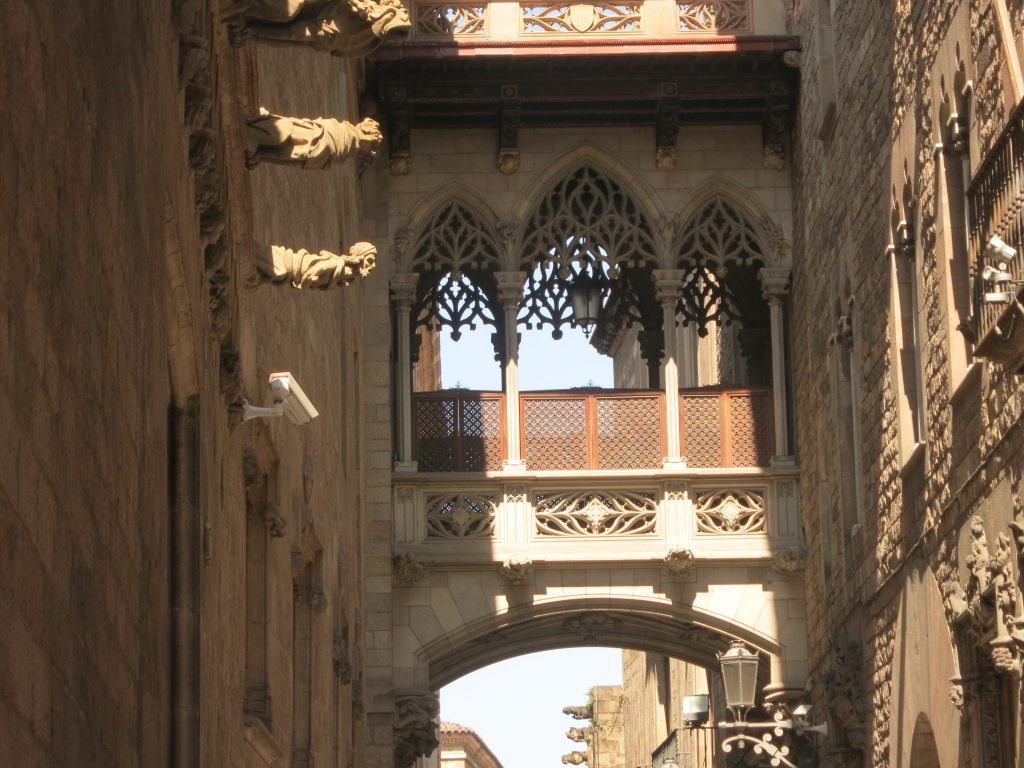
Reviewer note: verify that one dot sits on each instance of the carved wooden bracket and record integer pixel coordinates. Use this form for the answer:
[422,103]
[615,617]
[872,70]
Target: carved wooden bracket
[508,130]
[667,132]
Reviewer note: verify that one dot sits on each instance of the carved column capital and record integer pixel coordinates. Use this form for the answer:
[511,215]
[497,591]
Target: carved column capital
[403,288]
[510,288]
[668,285]
[774,283]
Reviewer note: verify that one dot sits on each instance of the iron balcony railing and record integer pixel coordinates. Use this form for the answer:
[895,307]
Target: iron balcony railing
[573,430]
[995,201]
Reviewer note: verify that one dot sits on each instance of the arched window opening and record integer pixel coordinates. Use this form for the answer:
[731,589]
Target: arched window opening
[721,256]
[589,227]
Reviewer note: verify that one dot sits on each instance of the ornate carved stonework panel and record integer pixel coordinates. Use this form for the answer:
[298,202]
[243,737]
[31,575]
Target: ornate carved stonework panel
[587,222]
[715,16]
[456,257]
[601,18]
[460,515]
[450,19]
[596,513]
[730,512]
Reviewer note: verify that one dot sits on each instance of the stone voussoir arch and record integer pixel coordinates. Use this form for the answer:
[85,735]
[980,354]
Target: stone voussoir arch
[642,621]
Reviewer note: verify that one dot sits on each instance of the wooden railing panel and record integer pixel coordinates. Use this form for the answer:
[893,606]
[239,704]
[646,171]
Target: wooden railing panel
[630,431]
[554,432]
[726,427]
[458,431]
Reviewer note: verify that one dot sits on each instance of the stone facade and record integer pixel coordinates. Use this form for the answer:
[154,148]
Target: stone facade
[926,441]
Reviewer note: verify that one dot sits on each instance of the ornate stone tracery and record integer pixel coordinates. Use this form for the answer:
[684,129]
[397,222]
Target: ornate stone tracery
[593,18]
[447,19]
[732,511]
[461,515]
[714,16]
[720,251]
[595,513]
[586,223]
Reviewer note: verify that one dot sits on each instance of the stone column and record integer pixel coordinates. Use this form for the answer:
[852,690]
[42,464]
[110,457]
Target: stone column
[403,291]
[510,291]
[775,285]
[669,289]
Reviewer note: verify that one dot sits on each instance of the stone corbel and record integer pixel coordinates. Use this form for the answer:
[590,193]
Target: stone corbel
[303,269]
[508,130]
[416,725]
[680,562]
[407,571]
[667,133]
[348,28]
[307,141]
[516,570]
[789,560]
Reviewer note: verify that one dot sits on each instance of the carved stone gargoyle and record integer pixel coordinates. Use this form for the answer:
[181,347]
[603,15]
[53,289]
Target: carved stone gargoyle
[574,758]
[308,142]
[278,264]
[346,28]
[579,713]
[577,734]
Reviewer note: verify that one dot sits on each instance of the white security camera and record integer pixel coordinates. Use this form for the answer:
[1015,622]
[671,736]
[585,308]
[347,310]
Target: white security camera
[289,400]
[997,250]
[992,275]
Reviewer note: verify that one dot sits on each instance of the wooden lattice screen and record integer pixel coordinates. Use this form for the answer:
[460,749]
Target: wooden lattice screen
[566,431]
[726,427]
[458,431]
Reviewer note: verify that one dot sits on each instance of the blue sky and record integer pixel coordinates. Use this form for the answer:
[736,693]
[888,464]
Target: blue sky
[516,705]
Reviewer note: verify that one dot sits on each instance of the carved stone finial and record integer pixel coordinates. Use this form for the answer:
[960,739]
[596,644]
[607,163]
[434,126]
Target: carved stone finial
[407,571]
[416,726]
[516,570]
[789,560]
[347,28]
[574,758]
[308,142]
[278,264]
[680,561]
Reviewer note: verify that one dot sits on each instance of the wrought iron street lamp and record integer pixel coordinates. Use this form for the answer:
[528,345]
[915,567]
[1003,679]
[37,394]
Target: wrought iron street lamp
[774,738]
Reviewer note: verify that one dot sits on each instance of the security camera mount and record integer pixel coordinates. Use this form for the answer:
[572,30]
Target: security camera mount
[289,400]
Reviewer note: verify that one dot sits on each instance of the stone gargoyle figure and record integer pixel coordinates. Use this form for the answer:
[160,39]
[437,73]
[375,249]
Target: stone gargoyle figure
[346,28]
[574,758]
[277,264]
[308,142]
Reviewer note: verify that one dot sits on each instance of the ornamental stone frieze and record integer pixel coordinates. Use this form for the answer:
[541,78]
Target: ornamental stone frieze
[347,28]
[304,269]
[416,726]
[308,142]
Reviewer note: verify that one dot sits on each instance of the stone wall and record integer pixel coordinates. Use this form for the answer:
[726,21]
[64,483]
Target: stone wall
[885,78]
[130,338]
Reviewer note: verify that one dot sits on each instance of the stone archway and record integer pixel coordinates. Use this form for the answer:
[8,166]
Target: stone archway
[923,751]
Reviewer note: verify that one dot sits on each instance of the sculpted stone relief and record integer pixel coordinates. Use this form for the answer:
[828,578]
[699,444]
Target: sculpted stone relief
[346,28]
[308,142]
[845,696]
[278,264]
[416,724]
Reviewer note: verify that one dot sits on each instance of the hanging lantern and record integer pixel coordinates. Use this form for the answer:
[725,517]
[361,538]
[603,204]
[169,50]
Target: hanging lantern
[586,292]
[739,676]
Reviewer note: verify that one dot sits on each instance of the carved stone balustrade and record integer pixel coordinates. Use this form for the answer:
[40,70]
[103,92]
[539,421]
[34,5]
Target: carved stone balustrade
[470,20]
